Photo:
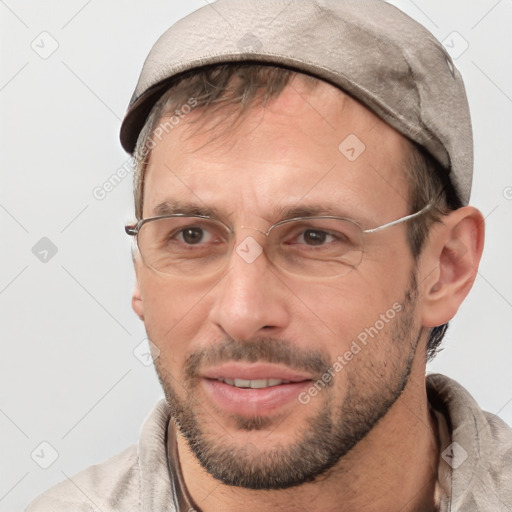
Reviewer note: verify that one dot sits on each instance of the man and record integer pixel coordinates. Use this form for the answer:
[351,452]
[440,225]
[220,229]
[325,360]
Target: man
[303,238]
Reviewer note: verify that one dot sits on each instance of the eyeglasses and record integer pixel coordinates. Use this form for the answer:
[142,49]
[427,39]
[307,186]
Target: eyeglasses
[200,246]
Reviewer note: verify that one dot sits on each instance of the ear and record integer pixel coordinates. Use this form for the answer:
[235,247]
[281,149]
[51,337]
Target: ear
[450,263]
[137,304]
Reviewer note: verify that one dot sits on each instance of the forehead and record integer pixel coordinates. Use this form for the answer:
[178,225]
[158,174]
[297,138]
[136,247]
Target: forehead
[312,143]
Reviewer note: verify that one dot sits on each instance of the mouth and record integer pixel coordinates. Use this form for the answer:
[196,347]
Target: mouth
[254,384]
[253,389]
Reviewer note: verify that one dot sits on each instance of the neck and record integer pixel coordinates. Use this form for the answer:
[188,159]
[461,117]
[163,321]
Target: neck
[393,468]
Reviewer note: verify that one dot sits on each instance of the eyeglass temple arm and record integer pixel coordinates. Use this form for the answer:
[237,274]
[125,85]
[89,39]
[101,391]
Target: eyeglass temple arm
[399,221]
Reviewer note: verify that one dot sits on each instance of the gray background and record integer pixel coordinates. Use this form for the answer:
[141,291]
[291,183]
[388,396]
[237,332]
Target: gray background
[69,376]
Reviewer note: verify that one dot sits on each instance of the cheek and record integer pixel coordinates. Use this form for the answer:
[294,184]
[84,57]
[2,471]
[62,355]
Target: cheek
[174,312]
[354,300]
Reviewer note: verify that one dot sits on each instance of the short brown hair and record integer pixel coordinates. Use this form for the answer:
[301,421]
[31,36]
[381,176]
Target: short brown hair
[234,88]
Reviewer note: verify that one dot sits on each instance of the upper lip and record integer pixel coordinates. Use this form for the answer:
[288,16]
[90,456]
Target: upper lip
[254,371]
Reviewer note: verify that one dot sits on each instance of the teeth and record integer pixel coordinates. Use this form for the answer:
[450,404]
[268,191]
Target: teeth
[242,383]
[258,383]
[254,384]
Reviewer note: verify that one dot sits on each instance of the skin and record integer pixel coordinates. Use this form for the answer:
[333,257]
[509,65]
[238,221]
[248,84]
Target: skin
[282,155]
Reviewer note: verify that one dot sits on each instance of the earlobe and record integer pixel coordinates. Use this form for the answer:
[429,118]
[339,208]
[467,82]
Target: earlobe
[454,255]
[137,304]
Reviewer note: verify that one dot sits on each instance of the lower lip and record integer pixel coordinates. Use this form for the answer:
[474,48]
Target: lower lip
[251,402]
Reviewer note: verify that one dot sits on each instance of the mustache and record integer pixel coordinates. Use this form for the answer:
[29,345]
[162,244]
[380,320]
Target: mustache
[262,350]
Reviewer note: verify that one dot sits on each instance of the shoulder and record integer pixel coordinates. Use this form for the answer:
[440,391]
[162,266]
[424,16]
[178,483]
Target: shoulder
[500,456]
[482,443]
[464,413]
[98,487]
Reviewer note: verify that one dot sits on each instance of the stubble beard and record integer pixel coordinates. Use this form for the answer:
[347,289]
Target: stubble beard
[325,438]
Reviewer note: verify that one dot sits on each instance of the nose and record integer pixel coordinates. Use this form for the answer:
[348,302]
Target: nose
[251,300]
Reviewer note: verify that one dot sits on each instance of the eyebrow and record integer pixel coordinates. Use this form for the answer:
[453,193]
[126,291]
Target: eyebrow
[304,211]
[173,206]
[329,210]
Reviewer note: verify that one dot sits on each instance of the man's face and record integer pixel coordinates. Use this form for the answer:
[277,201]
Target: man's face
[283,332]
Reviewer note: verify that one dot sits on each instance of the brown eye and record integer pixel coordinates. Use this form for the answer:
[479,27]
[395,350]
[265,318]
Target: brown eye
[314,237]
[192,235]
